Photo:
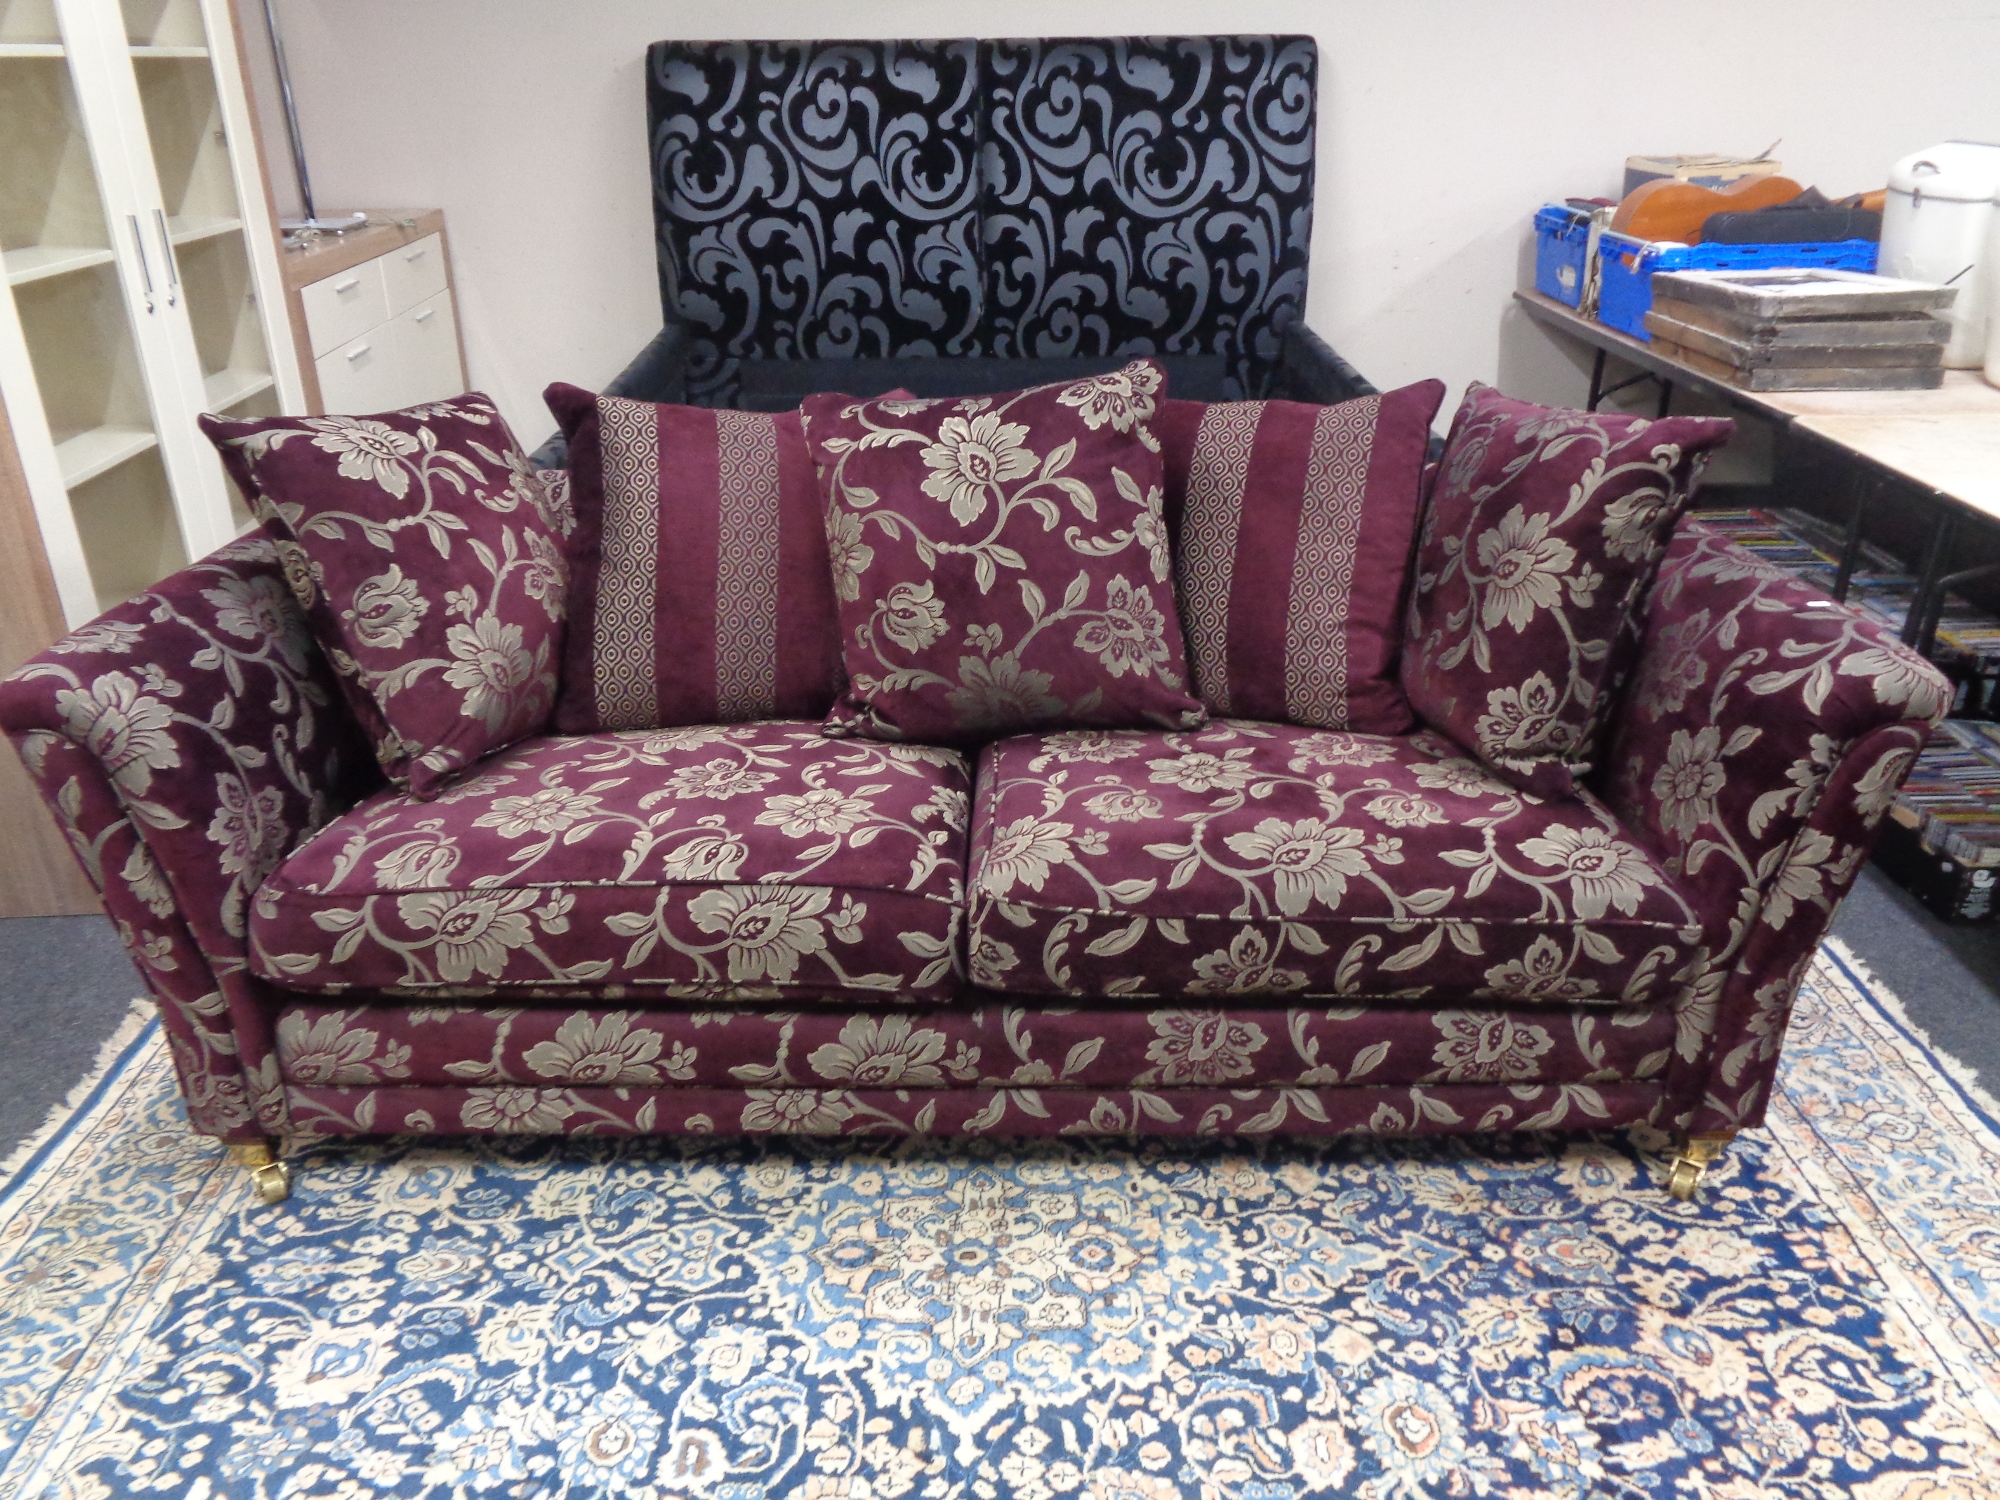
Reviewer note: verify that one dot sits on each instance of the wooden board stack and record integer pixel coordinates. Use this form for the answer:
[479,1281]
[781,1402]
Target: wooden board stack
[1803,330]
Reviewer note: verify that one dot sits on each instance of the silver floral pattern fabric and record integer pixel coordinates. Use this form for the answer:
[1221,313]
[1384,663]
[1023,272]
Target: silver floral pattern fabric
[185,740]
[953,524]
[984,1041]
[428,557]
[1261,859]
[1148,195]
[1542,534]
[1014,198]
[190,738]
[1763,737]
[728,863]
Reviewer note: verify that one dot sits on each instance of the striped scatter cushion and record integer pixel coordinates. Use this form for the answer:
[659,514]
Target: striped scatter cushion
[700,591]
[1292,527]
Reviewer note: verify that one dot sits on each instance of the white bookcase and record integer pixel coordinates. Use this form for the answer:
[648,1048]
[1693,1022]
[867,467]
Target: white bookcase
[143,282]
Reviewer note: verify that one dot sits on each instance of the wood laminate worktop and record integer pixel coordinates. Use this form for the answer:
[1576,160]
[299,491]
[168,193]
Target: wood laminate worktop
[332,253]
[1946,440]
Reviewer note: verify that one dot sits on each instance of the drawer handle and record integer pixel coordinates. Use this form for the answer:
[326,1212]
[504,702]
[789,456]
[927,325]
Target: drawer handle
[354,354]
[348,285]
[427,312]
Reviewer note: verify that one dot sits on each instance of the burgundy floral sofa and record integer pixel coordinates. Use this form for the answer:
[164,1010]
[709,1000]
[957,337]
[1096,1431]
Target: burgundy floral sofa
[1235,782]
[1235,926]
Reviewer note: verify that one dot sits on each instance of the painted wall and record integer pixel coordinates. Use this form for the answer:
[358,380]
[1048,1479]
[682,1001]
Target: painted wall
[1443,124]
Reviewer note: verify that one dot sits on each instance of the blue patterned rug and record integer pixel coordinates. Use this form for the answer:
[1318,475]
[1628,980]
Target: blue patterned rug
[1519,1320]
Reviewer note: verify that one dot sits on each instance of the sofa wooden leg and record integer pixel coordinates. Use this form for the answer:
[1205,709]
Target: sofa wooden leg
[271,1177]
[1691,1163]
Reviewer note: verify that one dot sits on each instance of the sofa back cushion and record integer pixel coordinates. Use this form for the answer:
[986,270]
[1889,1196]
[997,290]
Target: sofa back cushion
[1292,529]
[428,558]
[1014,198]
[700,590]
[1544,530]
[1001,562]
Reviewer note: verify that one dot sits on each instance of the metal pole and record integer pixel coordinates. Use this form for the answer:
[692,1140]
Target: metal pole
[291,113]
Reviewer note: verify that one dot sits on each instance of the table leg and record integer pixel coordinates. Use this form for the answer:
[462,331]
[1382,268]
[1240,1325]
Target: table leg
[1596,382]
[1919,629]
[1666,398]
[1934,614]
[1850,547]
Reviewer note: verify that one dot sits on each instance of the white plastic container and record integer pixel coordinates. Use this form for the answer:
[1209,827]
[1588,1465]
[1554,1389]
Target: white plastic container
[1935,227]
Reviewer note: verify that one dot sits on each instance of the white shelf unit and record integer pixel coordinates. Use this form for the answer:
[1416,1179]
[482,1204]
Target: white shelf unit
[37,261]
[143,282]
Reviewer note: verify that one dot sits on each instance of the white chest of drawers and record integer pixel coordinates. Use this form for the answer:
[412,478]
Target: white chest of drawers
[375,310]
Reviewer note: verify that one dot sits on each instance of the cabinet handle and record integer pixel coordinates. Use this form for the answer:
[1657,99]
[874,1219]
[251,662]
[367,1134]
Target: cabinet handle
[348,285]
[173,265]
[145,267]
[426,313]
[416,255]
[354,354]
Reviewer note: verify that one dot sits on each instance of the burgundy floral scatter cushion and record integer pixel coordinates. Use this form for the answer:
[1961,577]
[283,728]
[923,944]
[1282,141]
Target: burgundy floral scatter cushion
[1000,562]
[700,591]
[1292,526]
[723,863]
[1543,533]
[428,558]
[1266,859]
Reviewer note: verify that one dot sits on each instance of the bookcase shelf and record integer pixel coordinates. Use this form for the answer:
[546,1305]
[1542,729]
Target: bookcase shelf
[164,27]
[137,255]
[139,259]
[185,229]
[33,262]
[28,23]
[230,388]
[92,452]
[125,513]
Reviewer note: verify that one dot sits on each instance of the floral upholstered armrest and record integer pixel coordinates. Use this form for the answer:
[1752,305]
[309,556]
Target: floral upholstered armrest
[185,741]
[1762,737]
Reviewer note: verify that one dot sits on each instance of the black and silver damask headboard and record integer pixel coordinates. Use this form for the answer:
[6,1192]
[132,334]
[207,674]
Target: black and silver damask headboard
[997,201]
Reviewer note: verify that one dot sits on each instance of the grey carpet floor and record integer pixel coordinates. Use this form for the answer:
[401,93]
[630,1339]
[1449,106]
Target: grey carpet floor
[1948,978]
[65,983]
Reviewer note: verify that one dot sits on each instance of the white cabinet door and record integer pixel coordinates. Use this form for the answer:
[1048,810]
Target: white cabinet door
[364,375]
[140,261]
[427,350]
[255,278]
[103,62]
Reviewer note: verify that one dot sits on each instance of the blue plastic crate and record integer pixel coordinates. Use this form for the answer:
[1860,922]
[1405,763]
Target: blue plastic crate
[1626,295]
[1560,236]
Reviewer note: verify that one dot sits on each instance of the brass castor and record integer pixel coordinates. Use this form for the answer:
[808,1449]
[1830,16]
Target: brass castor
[1692,1162]
[271,1177]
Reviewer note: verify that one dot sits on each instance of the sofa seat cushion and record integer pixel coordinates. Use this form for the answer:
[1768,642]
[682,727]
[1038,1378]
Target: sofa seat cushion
[749,861]
[1262,859]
